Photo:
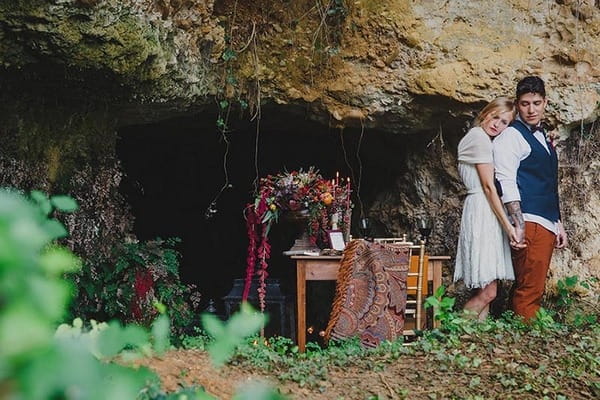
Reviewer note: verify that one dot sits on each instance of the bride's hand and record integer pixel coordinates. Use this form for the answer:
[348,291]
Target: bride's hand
[515,238]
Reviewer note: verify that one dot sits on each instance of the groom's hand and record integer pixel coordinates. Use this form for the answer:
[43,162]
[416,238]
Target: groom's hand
[518,241]
[561,237]
[514,212]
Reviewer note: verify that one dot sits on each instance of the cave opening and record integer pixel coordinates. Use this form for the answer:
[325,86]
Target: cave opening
[174,169]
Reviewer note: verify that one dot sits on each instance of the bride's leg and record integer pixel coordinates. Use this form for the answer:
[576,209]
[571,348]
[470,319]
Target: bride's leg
[482,299]
[483,314]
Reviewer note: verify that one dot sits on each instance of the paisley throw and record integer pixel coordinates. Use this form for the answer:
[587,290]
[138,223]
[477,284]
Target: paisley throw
[370,296]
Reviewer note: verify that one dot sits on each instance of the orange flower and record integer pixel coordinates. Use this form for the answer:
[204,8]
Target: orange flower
[327,198]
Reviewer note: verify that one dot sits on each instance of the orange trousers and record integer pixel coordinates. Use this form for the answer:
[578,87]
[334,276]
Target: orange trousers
[531,267]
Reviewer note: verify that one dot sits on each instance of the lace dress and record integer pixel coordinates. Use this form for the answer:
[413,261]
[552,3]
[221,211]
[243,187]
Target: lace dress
[483,253]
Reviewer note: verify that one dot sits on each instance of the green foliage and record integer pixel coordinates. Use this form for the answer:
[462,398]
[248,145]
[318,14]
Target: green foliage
[228,55]
[34,364]
[569,305]
[154,392]
[442,306]
[47,205]
[227,336]
[258,391]
[279,356]
[544,358]
[199,340]
[143,275]
[566,289]
[37,362]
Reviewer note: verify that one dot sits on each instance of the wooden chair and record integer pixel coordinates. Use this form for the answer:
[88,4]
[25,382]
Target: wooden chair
[417,287]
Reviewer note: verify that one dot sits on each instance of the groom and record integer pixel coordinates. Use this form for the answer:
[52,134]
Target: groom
[527,170]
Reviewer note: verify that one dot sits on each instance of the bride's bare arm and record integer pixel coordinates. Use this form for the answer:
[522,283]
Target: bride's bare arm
[486,177]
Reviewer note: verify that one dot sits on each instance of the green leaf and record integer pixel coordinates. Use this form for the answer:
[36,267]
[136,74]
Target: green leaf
[54,229]
[268,215]
[64,203]
[439,292]
[223,104]
[571,281]
[245,323]
[432,302]
[213,326]
[258,390]
[228,54]
[58,260]
[160,307]
[475,381]
[112,340]
[50,296]
[447,302]
[22,329]
[221,350]
[228,336]
[160,333]
[231,79]
[42,201]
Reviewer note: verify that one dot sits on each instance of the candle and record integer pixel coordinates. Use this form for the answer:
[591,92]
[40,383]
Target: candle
[348,193]
[337,178]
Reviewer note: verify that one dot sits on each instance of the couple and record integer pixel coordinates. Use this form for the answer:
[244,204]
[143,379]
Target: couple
[525,166]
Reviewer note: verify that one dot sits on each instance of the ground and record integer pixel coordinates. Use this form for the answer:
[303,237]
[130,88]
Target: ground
[560,364]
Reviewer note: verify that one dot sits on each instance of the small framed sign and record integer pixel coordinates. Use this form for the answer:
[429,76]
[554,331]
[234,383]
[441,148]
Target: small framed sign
[336,240]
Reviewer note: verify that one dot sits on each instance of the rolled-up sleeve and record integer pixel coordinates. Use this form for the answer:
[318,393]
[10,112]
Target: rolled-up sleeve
[509,149]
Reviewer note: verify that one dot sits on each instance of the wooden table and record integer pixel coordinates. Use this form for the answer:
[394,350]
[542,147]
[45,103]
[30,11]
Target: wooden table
[325,268]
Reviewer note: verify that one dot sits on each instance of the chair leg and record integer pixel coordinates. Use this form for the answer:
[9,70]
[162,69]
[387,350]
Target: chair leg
[418,311]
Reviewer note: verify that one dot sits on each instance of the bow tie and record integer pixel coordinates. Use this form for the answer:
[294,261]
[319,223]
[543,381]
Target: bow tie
[539,128]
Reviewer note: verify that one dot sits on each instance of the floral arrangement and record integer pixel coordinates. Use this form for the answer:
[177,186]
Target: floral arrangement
[324,200]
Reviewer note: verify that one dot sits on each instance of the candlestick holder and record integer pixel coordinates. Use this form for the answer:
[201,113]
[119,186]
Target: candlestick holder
[364,227]
[425,227]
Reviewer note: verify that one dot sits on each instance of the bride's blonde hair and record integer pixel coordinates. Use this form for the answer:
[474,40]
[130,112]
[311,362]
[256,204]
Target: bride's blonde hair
[495,107]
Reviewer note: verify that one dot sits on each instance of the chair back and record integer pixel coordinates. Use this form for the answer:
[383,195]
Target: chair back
[416,284]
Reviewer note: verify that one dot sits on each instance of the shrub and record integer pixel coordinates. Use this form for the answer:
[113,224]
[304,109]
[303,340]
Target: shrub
[127,288]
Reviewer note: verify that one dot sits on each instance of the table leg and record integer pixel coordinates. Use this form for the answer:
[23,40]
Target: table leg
[437,282]
[301,304]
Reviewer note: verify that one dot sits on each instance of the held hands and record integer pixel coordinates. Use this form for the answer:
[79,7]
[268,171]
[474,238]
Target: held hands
[561,237]
[516,237]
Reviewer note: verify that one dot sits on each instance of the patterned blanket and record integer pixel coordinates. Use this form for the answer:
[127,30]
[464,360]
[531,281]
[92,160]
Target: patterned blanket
[370,295]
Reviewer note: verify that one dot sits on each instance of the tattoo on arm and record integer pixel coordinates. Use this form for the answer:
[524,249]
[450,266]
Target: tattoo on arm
[514,211]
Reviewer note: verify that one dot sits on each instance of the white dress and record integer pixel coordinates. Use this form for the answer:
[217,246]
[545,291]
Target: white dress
[483,253]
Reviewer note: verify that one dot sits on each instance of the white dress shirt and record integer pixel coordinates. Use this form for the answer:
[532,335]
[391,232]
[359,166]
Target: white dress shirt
[510,148]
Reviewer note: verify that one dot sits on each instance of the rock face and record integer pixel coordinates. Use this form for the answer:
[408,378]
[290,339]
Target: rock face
[403,67]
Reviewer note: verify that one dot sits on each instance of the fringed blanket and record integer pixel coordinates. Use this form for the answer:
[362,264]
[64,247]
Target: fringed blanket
[370,295]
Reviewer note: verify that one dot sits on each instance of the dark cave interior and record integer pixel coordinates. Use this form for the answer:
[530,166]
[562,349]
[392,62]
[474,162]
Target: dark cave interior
[174,169]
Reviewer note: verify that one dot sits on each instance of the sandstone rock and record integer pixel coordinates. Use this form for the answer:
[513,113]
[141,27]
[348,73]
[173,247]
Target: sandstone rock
[407,68]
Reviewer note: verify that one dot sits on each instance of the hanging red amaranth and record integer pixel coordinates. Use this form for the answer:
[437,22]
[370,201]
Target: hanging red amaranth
[264,252]
[141,286]
[251,227]
[256,228]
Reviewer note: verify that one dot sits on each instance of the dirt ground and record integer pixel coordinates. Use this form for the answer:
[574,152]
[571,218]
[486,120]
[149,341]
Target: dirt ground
[179,368]
[499,366]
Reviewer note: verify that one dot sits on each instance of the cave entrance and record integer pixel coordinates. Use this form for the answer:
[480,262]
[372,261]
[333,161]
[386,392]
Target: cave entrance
[174,169]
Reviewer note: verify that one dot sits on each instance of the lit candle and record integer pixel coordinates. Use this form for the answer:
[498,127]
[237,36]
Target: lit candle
[337,178]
